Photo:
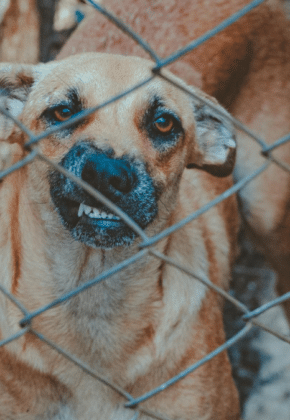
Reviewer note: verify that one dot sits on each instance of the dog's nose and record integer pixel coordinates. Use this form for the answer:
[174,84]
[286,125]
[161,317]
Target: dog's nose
[112,177]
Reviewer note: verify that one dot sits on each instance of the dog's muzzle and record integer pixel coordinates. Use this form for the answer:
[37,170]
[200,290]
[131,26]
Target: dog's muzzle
[122,180]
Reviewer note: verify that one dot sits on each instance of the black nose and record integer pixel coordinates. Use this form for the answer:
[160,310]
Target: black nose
[112,177]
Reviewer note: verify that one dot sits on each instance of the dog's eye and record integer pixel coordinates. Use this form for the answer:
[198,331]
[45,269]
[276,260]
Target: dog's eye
[163,126]
[62,113]
[164,123]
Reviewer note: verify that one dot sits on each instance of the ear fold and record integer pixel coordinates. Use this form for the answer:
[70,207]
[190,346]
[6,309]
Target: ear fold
[214,149]
[16,83]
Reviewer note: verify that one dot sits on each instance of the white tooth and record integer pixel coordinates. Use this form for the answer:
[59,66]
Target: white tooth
[96,212]
[81,210]
[87,209]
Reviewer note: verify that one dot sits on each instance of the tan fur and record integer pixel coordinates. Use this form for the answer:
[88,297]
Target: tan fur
[246,67]
[146,323]
[19,31]
[65,13]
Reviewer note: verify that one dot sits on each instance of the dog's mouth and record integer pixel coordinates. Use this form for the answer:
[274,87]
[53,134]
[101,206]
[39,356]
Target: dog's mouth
[98,226]
[87,219]
[94,226]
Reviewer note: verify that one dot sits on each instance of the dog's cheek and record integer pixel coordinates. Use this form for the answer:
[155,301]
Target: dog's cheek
[54,149]
[38,174]
[168,168]
[166,186]
[54,146]
[51,146]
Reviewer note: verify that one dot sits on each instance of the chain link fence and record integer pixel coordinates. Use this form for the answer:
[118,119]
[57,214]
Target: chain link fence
[248,317]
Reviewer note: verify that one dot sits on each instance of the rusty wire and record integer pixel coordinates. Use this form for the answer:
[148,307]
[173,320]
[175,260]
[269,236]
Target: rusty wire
[146,246]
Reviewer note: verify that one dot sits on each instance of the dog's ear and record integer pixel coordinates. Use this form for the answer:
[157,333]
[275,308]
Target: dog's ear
[214,149]
[16,83]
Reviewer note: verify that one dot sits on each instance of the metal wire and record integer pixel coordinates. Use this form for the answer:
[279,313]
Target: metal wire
[31,152]
[237,187]
[190,369]
[208,35]
[83,287]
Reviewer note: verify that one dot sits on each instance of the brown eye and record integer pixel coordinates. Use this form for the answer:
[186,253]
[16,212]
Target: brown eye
[62,113]
[164,124]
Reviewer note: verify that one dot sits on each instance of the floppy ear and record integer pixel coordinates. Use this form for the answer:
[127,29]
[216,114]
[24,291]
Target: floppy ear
[214,149]
[16,83]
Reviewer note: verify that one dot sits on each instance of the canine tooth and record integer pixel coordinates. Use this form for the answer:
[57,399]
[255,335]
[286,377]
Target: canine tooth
[81,210]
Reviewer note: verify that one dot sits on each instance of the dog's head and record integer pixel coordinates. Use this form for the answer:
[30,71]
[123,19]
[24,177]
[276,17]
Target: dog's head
[133,151]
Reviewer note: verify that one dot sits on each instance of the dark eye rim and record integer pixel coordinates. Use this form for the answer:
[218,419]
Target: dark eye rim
[49,114]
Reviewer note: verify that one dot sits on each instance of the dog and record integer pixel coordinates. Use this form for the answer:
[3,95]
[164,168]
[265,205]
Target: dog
[19,31]
[158,155]
[246,67]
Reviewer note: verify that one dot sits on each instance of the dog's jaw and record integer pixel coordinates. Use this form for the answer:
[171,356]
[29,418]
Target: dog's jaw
[102,233]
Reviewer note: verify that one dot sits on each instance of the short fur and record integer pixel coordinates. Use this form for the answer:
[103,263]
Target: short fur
[19,31]
[246,67]
[69,12]
[150,321]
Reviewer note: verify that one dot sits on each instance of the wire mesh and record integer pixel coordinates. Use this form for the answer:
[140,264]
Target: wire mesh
[147,244]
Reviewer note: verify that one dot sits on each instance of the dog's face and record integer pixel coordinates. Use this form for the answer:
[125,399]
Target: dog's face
[133,151]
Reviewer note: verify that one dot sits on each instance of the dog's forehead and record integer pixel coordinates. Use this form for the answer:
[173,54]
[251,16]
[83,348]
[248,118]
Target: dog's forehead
[93,71]
[99,77]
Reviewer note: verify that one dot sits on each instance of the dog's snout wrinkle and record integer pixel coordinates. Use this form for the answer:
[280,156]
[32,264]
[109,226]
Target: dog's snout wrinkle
[113,177]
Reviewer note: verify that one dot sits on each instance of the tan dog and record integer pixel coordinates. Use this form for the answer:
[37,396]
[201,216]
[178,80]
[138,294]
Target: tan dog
[149,321]
[246,67]
[19,31]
